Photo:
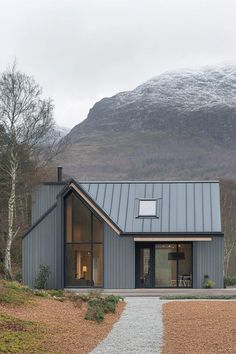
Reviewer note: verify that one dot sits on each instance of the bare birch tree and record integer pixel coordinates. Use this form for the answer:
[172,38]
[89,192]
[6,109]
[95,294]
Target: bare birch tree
[26,120]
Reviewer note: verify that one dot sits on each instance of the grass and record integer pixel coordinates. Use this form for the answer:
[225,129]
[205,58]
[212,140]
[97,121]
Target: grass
[198,297]
[23,336]
[18,336]
[12,292]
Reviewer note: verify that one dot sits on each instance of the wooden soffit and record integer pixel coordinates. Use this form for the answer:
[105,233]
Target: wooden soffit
[95,208]
[170,239]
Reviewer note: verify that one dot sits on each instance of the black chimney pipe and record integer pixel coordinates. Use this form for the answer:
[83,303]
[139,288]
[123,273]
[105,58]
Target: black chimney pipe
[59,174]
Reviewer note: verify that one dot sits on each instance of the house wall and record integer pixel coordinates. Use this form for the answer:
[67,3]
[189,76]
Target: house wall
[119,260]
[43,197]
[208,258]
[44,245]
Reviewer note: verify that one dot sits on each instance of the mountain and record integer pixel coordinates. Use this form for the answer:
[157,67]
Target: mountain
[60,132]
[178,125]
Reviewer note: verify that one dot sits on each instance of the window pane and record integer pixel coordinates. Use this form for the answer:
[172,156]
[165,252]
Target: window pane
[185,265]
[68,205]
[97,265]
[81,221]
[145,267]
[78,265]
[97,230]
[166,265]
[147,207]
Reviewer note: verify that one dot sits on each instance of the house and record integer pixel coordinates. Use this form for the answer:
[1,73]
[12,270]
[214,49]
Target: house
[125,234]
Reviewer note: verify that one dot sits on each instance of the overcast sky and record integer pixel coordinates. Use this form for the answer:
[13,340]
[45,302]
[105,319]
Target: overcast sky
[80,51]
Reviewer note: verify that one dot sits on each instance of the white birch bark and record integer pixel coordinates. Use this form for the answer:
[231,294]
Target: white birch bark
[11,215]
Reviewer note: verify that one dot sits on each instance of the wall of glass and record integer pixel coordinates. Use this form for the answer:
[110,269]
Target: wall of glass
[83,245]
[164,265]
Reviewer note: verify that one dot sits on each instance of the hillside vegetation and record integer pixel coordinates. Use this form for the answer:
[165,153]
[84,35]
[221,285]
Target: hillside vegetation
[53,321]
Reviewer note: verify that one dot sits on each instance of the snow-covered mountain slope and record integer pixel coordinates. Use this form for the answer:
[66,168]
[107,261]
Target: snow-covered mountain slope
[185,102]
[180,123]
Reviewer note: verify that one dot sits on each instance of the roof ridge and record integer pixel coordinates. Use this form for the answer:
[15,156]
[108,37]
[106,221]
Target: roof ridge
[140,182]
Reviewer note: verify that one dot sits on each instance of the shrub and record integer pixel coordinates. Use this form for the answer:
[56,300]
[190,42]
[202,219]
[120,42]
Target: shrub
[56,293]
[40,293]
[114,298]
[207,283]
[109,306]
[42,277]
[76,299]
[93,294]
[18,277]
[98,306]
[230,280]
[94,313]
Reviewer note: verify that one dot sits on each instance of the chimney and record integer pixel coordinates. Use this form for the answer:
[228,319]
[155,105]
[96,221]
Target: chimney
[59,174]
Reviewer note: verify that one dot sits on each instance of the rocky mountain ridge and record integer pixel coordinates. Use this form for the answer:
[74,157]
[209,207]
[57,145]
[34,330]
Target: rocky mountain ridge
[180,124]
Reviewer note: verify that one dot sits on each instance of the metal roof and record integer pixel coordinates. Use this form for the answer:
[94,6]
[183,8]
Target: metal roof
[183,207]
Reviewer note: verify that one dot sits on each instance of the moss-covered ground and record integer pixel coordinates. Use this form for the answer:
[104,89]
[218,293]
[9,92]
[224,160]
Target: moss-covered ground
[18,336]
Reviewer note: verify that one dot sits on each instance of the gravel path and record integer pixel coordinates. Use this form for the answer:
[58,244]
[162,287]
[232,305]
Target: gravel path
[139,329]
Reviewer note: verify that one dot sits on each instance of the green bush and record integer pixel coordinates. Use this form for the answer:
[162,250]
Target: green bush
[98,306]
[230,280]
[94,313]
[42,277]
[109,306]
[207,282]
[114,298]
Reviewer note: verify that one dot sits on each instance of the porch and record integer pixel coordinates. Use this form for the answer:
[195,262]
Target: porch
[159,292]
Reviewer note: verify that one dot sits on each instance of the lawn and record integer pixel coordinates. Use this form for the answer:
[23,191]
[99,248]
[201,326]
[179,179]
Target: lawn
[48,322]
[199,327]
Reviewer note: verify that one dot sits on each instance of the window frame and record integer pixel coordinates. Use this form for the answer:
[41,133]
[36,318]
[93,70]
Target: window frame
[91,242]
[143,216]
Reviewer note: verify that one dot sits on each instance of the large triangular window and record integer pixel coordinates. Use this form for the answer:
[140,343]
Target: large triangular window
[83,245]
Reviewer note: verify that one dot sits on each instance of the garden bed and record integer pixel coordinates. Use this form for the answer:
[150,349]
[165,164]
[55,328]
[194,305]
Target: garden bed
[47,325]
[202,327]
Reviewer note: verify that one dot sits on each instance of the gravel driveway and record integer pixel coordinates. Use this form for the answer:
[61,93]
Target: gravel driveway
[139,329]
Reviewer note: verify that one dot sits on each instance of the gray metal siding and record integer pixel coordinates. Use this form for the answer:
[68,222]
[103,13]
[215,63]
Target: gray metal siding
[119,260]
[43,197]
[183,206]
[208,258]
[43,246]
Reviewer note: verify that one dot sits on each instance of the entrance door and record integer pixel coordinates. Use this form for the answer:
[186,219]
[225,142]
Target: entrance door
[163,265]
[144,266]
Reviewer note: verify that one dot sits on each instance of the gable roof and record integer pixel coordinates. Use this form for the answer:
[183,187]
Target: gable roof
[184,207]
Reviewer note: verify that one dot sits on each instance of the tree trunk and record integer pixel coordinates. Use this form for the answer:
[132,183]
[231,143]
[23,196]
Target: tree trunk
[228,253]
[11,216]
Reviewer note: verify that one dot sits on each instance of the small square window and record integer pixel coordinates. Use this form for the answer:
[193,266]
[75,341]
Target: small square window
[148,208]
